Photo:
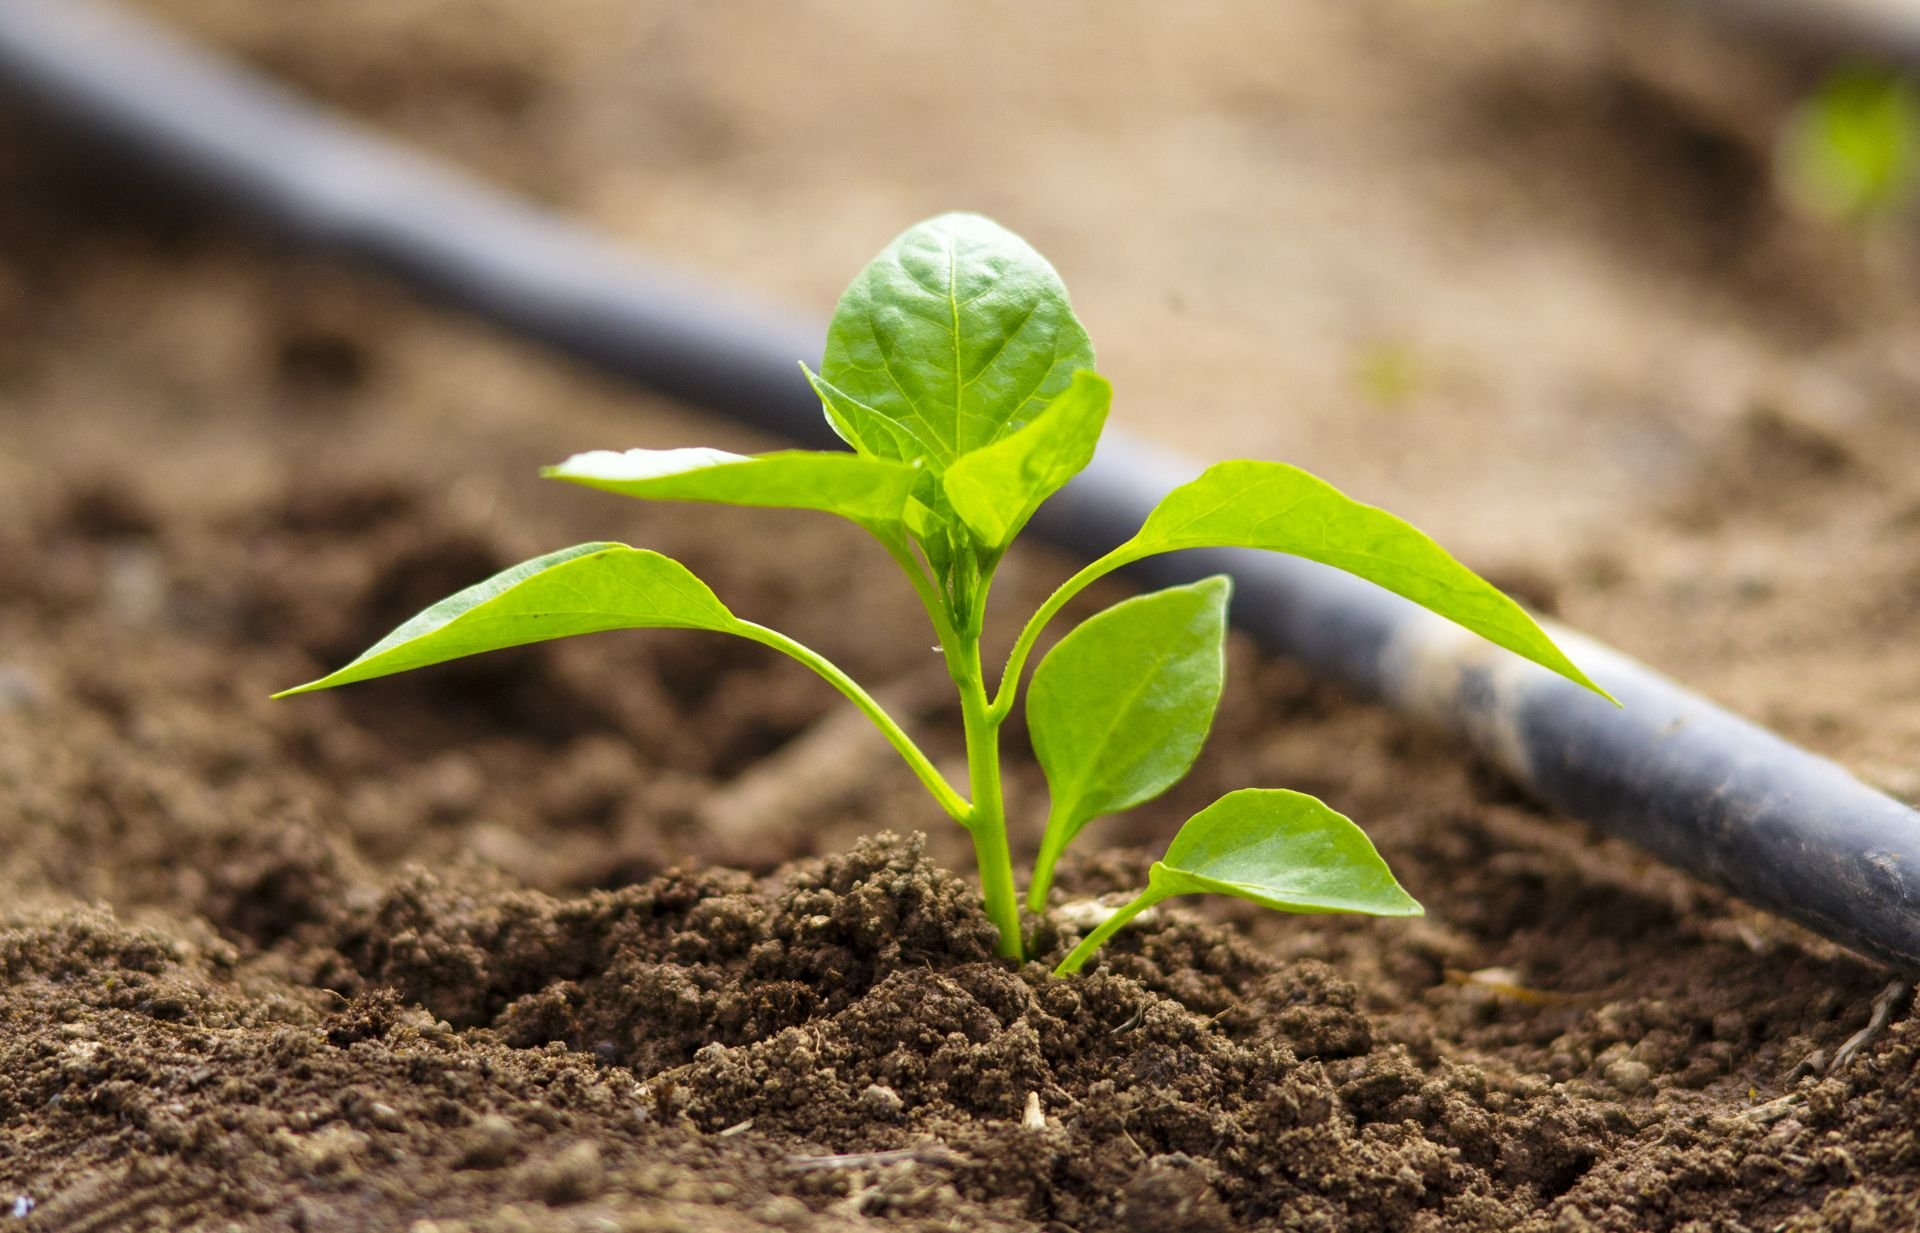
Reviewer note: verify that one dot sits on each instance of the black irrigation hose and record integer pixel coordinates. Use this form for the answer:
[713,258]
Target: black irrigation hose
[1885,31]
[1705,790]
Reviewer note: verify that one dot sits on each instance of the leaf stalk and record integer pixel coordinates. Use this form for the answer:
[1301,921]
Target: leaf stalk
[1053,842]
[1037,624]
[950,800]
[1078,956]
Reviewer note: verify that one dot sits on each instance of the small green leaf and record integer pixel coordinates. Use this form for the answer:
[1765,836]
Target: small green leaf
[860,426]
[929,513]
[1851,152]
[580,590]
[1282,850]
[958,331]
[997,487]
[1281,508]
[1120,708]
[868,490]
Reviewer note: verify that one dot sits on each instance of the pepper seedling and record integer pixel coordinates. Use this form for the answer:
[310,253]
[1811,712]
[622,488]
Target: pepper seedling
[959,375]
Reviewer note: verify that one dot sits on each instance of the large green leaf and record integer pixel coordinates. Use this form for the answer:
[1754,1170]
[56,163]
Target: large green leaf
[871,491]
[997,487]
[1282,850]
[580,590]
[959,331]
[1120,708]
[1283,509]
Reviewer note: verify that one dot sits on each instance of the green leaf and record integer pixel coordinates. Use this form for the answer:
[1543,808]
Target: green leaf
[860,426]
[1851,152]
[1282,850]
[1120,708]
[580,590]
[997,487]
[868,490]
[958,331]
[929,513]
[1283,509]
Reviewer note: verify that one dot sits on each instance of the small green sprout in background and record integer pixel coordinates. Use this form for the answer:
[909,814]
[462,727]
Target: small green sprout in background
[1389,373]
[1851,152]
[957,371]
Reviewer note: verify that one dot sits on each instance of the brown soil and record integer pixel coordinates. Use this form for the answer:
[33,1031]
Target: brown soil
[621,933]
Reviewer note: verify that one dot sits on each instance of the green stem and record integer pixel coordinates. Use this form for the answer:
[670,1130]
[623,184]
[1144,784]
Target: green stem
[1112,925]
[930,598]
[896,545]
[986,818]
[1023,646]
[988,822]
[956,806]
[1052,843]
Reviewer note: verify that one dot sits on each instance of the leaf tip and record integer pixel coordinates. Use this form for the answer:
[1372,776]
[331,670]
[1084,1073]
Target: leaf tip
[1092,377]
[1216,584]
[568,468]
[1572,672]
[1411,908]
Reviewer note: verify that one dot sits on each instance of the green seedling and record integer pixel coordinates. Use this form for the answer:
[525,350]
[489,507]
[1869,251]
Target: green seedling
[958,373]
[1851,151]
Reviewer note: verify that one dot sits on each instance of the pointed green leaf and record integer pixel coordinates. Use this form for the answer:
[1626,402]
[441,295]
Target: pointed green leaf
[868,490]
[958,330]
[928,514]
[1283,509]
[997,487]
[860,426]
[922,519]
[1120,708]
[580,590]
[1282,850]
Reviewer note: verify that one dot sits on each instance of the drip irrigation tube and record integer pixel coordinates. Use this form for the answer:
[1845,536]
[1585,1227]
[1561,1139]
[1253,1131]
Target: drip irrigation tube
[1709,792]
[1878,30]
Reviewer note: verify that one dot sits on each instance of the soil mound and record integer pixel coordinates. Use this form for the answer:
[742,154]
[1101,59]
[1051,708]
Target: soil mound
[832,1042]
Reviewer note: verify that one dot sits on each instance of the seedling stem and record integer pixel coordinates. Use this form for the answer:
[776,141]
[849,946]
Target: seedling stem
[988,821]
[956,805]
